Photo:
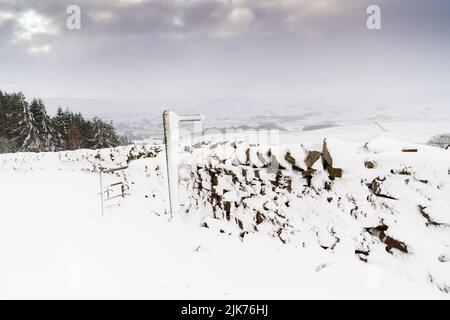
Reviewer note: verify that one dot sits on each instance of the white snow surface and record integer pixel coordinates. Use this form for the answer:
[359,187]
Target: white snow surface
[315,240]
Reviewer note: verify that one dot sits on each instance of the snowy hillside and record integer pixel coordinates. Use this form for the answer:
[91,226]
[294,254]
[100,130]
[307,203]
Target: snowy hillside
[305,218]
[144,121]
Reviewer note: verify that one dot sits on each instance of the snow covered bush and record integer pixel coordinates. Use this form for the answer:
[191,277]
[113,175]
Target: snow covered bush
[441,141]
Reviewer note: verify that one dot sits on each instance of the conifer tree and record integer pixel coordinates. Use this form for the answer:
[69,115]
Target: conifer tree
[28,127]
[3,106]
[104,134]
[45,125]
[23,125]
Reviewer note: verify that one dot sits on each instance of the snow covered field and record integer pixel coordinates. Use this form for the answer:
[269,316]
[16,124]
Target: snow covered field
[380,232]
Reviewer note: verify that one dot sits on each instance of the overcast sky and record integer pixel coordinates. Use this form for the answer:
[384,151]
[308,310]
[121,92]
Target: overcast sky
[192,51]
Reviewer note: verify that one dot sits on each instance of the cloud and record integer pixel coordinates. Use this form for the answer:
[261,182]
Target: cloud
[102,16]
[5,16]
[164,18]
[31,23]
[128,2]
[237,22]
[39,49]
[27,29]
[43,22]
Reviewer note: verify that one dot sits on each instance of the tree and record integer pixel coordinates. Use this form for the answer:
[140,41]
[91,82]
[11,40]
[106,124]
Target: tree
[4,145]
[75,132]
[125,140]
[22,125]
[104,135]
[3,106]
[45,125]
[28,127]
[73,137]
[61,123]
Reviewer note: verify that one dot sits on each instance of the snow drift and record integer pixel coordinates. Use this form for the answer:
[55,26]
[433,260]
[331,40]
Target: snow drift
[381,203]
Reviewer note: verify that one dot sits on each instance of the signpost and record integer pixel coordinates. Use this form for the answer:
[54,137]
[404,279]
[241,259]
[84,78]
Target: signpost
[171,122]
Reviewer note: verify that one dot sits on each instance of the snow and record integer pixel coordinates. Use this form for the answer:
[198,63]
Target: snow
[54,243]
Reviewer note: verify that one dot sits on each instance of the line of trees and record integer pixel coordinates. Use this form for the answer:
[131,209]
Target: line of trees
[27,126]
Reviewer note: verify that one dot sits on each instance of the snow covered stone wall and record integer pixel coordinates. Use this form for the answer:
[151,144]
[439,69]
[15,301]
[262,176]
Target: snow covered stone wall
[381,203]
[79,160]
[377,201]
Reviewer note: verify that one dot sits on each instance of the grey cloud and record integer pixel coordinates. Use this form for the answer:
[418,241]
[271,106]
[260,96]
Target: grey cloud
[169,18]
[199,47]
[158,17]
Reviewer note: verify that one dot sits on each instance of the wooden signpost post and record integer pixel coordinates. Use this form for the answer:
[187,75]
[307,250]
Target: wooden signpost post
[171,122]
